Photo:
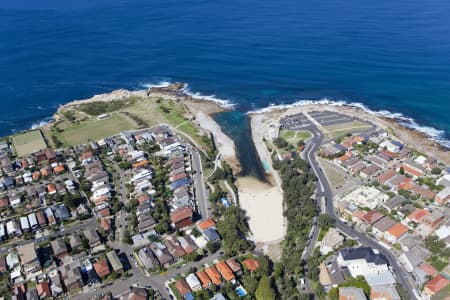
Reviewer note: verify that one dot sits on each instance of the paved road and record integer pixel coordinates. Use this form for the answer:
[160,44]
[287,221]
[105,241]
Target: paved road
[324,190]
[121,216]
[157,282]
[73,228]
[199,184]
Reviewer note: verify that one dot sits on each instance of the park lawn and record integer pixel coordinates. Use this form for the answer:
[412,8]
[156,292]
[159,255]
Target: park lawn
[94,129]
[294,136]
[29,142]
[150,112]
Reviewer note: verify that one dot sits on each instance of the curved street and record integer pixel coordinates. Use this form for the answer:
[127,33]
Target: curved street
[324,191]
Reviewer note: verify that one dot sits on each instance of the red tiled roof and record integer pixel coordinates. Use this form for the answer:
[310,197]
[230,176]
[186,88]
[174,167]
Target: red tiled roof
[386,176]
[372,216]
[59,169]
[182,287]
[143,198]
[104,212]
[234,265]
[205,224]
[101,268]
[181,214]
[51,188]
[43,290]
[436,284]
[417,215]
[429,269]
[105,223]
[213,275]
[251,264]
[225,271]
[4,202]
[397,230]
[140,164]
[204,279]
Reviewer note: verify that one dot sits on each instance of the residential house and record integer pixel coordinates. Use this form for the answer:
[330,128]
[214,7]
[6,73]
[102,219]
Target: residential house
[382,225]
[443,196]
[435,285]
[59,248]
[384,292]
[193,282]
[434,219]
[174,248]
[204,279]
[408,241]
[162,254]
[73,279]
[395,232]
[351,293]
[148,259]
[188,244]
[414,257]
[417,215]
[393,203]
[213,275]
[102,268]
[43,290]
[225,271]
[93,237]
[28,258]
[183,288]
[412,168]
[234,266]
[372,216]
[114,261]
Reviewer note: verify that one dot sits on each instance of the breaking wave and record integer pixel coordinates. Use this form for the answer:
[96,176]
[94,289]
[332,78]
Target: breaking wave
[186,90]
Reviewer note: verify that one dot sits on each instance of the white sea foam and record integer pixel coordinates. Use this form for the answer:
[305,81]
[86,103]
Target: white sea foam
[432,133]
[40,123]
[160,84]
[186,90]
[212,98]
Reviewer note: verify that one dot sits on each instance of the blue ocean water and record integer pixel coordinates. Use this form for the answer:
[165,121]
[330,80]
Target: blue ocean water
[389,55]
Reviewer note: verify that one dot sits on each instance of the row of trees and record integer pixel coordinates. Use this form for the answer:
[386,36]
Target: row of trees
[299,209]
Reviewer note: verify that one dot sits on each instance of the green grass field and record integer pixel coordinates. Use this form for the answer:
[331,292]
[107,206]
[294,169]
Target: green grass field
[293,136]
[93,129]
[148,112]
[29,142]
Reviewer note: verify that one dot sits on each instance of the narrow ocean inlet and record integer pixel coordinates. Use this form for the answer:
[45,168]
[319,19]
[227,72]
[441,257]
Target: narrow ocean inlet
[236,125]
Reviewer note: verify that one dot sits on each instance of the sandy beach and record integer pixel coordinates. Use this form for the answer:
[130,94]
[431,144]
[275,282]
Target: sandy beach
[263,204]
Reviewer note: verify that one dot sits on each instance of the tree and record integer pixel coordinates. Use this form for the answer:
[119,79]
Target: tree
[212,247]
[264,290]
[127,237]
[436,171]
[85,242]
[280,142]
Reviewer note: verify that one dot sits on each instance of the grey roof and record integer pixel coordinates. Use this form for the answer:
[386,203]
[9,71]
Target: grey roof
[394,202]
[58,246]
[364,253]
[384,224]
[409,241]
[211,235]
